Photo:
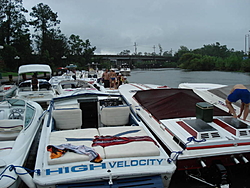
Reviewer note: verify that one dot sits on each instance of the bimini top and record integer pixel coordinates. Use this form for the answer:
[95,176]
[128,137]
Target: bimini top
[172,103]
[34,68]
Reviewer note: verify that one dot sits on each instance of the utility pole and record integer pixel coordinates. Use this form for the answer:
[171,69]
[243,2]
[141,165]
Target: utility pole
[154,49]
[135,48]
[249,44]
[246,48]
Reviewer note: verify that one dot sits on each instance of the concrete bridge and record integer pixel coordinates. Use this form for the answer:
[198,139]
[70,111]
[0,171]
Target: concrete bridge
[130,59]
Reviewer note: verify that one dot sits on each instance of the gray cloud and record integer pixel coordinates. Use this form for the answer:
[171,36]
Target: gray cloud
[114,25]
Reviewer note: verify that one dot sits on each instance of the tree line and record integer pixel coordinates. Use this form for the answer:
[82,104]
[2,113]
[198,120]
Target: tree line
[46,44]
[212,57]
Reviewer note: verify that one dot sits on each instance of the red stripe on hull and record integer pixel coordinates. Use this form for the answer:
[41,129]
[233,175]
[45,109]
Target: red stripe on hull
[187,128]
[225,126]
[210,146]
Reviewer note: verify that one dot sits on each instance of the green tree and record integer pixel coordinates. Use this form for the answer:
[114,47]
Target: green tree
[245,65]
[82,51]
[233,63]
[216,50]
[167,53]
[14,33]
[182,50]
[187,60]
[88,51]
[12,20]
[125,52]
[76,45]
[58,47]
[44,19]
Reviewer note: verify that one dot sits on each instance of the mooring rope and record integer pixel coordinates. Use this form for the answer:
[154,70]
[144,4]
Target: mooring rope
[177,153]
[13,167]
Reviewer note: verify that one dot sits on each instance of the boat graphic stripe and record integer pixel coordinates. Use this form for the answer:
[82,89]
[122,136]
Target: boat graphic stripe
[225,126]
[210,146]
[187,128]
[6,148]
[218,146]
[137,86]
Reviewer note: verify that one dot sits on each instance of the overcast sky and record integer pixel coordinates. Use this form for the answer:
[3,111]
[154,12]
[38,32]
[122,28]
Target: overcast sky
[116,25]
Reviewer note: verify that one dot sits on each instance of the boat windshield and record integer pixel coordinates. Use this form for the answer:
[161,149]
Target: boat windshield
[16,102]
[29,115]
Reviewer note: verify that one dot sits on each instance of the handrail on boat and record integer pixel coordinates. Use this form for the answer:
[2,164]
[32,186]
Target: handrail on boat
[51,106]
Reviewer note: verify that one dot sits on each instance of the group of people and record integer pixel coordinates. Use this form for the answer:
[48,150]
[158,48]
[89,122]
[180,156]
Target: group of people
[113,80]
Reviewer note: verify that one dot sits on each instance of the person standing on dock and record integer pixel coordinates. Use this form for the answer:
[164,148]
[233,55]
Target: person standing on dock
[239,91]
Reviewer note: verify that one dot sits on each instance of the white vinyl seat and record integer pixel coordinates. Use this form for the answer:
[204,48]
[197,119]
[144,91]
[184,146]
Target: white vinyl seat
[68,118]
[117,115]
[10,128]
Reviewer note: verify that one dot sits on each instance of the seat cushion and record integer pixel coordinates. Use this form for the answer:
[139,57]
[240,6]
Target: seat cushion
[132,149]
[68,118]
[60,137]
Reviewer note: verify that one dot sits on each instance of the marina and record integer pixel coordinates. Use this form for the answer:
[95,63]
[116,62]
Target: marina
[124,96]
[234,173]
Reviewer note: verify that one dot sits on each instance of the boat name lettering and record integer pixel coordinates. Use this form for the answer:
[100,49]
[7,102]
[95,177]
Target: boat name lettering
[108,165]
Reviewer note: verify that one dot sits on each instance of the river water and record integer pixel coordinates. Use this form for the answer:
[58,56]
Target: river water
[239,174]
[173,77]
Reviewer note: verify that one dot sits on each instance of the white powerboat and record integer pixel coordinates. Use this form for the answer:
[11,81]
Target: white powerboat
[109,146]
[125,70]
[19,123]
[54,80]
[44,93]
[215,94]
[7,91]
[197,135]
[73,87]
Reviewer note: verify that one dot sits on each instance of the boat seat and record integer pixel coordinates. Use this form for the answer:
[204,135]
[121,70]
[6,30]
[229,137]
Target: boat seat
[112,116]
[25,88]
[68,118]
[60,137]
[10,128]
[132,149]
[66,86]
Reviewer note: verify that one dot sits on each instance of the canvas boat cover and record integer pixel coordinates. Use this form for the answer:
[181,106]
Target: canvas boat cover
[172,103]
[34,68]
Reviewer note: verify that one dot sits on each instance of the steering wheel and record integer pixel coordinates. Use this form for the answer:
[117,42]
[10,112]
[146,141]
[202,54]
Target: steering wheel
[15,115]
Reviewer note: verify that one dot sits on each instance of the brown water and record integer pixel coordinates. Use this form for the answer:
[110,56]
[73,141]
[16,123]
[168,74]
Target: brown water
[173,77]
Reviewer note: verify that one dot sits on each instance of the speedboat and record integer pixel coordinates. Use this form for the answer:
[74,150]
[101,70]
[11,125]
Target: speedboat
[19,123]
[198,136]
[125,70]
[73,87]
[215,94]
[100,86]
[7,91]
[54,80]
[96,140]
[44,93]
